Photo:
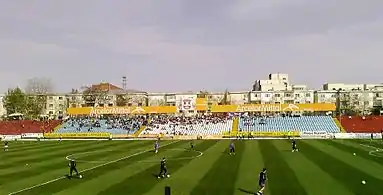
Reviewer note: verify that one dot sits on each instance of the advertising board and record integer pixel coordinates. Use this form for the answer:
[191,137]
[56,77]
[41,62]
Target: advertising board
[77,135]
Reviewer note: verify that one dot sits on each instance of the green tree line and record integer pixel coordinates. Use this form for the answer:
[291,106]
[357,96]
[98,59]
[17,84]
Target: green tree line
[30,106]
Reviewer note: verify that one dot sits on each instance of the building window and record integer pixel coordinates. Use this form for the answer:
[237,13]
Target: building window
[50,98]
[277,95]
[60,98]
[297,95]
[308,94]
[50,105]
[50,112]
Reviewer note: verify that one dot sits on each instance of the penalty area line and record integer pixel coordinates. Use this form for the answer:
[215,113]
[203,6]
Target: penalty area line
[374,152]
[89,169]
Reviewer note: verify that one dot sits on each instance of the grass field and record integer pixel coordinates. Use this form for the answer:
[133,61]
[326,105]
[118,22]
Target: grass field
[321,167]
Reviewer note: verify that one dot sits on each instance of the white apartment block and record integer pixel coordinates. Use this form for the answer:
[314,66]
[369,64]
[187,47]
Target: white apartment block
[277,82]
[282,97]
[56,105]
[363,97]
[276,90]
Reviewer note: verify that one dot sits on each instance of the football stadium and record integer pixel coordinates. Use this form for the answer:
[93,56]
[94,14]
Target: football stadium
[209,148]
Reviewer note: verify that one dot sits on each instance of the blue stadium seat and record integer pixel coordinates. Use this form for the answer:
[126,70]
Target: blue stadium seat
[73,126]
[285,124]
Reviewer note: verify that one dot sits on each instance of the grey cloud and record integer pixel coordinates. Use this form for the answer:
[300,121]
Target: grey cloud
[190,45]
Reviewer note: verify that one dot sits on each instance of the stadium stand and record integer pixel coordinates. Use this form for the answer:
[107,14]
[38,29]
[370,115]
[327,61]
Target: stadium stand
[27,126]
[362,124]
[285,124]
[198,125]
[113,125]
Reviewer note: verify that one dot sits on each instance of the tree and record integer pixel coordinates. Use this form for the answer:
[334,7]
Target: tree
[35,106]
[15,101]
[203,94]
[225,98]
[349,103]
[30,106]
[39,86]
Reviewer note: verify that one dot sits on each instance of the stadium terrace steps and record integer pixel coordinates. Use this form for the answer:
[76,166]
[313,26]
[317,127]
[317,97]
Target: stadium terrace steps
[367,124]
[336,121]
[234,128]
[88,126]
[27,126]
[138,132]
[57,128]
[200,128]
[287,124]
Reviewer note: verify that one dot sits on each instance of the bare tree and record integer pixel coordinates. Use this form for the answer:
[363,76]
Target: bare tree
[40,86]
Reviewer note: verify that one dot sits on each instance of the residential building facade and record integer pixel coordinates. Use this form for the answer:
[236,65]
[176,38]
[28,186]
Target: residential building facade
[276,90]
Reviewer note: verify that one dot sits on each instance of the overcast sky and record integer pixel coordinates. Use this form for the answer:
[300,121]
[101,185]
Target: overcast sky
[182,45]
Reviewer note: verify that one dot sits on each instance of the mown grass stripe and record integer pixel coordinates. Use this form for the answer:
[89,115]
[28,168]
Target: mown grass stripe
[226,168]
[345,174]
[58,146]
[251,164]
[375,143]
[278,171]
[374,169]
[143,184]
[116,176]
[62,184]
[37,158]
[186,178]
[35,171]
[356,148]
[20,146]
[305,169]
[61,153]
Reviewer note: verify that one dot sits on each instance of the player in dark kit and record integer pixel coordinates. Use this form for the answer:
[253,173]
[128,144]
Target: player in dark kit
[191,145]
[294,146]
[6,146]
[232,148]
[72,165]
[163,169]
[156,146]
[262,181]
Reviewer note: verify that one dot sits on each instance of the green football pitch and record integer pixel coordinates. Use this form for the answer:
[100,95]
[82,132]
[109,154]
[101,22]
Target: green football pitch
[321,167]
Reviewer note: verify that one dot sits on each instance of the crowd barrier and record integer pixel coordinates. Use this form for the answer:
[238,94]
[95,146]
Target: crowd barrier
[264,134]
[357,135]
[253,135]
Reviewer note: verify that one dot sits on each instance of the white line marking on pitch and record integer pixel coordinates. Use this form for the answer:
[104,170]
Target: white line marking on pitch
[89,169]
[373,152]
